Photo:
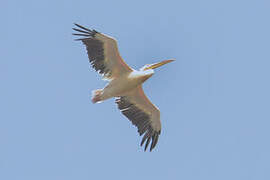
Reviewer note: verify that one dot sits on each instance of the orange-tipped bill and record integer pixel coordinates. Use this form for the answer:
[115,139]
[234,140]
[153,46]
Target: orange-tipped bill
[156,65]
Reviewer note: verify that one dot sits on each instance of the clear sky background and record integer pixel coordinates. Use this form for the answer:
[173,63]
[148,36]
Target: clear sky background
[214,99]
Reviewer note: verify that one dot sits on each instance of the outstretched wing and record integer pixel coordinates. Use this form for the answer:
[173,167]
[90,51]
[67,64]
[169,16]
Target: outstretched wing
[102,53]
[143,114]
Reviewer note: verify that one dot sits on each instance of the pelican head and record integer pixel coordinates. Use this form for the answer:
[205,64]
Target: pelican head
[155,65]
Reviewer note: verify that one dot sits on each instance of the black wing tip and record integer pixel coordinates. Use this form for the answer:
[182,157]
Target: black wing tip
[83,31]
[148,136]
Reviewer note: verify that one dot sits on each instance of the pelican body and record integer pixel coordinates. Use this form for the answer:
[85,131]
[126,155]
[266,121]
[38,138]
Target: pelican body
[122,86]
[125,83]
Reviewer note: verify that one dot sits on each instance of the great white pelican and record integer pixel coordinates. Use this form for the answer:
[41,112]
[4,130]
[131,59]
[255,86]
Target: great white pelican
[125,83]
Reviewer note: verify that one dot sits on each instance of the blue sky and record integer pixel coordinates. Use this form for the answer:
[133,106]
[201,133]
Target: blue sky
[214,99]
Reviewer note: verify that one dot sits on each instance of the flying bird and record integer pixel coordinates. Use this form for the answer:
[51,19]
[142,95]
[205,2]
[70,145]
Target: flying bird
[125,83]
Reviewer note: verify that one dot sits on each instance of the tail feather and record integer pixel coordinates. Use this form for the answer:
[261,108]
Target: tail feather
[96,96]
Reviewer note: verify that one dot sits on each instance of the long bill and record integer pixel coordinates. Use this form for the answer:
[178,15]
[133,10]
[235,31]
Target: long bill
[156,65]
